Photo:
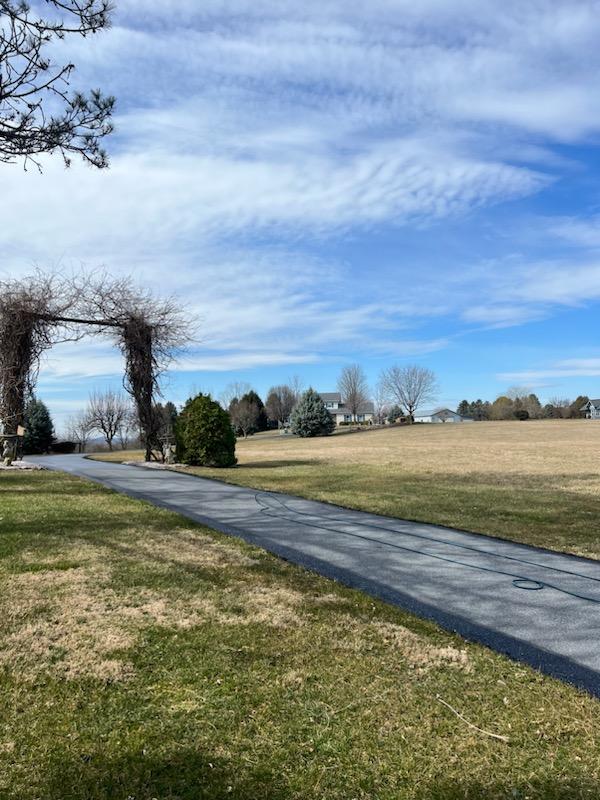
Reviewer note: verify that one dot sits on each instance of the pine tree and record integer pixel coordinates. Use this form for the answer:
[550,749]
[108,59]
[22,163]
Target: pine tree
[39,430]
[310,417]
[464,408]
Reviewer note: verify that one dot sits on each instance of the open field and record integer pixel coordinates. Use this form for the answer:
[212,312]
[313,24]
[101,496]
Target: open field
[535,482]
[142,656]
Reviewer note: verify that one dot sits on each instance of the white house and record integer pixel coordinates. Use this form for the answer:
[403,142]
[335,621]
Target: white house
[341,413]
[592,409]
[440,415]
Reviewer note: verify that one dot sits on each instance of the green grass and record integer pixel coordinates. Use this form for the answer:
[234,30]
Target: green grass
[142,657]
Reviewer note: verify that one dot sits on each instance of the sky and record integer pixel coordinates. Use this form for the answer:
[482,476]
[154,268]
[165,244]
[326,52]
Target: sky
[327,183]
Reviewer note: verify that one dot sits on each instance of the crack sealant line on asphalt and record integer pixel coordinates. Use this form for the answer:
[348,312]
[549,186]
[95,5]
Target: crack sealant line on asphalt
[521,578]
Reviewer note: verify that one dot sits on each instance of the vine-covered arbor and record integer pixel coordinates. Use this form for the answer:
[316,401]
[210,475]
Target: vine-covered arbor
[39,311]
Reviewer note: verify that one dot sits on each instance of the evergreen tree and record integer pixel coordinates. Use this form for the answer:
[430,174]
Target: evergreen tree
[575,411]
[39,430]
[204,434]
[533,406]
[310,417]
[464,408]
[166,417]
[251,398]
[394,413]
[480,410]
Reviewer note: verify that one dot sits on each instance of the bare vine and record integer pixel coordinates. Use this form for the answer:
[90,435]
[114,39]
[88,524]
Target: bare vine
[37,312]
[149,332]
[30,312]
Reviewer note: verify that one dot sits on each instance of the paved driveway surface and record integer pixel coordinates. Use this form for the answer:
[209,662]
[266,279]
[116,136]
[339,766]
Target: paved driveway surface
[537,606]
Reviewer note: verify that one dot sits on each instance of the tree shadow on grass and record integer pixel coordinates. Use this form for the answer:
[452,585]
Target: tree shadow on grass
[192,775]
[184,775]
[550,788]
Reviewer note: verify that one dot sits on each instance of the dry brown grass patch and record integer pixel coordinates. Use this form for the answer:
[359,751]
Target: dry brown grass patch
[73,622]
[416,650]
[190,548]
[540,447]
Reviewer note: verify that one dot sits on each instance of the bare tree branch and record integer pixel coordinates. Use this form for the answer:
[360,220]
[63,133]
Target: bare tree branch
[107,413]
[409,386]
[352,385]
[280,404]
[79,429]
[38,111]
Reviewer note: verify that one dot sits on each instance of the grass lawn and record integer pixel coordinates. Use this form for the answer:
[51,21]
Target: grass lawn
[142,656]
[535,482]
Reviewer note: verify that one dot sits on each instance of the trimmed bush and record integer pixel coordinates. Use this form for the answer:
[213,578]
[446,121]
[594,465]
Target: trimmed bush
[310,417]
[205,437]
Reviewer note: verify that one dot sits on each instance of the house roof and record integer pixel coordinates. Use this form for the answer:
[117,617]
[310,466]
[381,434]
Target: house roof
[336,397]
[590,402]
[330,397]
[434,412]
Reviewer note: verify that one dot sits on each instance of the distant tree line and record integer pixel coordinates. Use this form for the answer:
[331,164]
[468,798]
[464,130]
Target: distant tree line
[519,403]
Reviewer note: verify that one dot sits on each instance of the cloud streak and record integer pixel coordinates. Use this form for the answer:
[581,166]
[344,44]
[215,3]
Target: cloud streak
[265,149]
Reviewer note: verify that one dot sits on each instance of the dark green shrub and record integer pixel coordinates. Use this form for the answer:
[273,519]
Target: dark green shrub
[204,434]
[63,448]
[310,417]
[522,414]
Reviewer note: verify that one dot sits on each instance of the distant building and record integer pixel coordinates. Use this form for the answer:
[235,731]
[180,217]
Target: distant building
[440,415]
[341,413]
[592,409]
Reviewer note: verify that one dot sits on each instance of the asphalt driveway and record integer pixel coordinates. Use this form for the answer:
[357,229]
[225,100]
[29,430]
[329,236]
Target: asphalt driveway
[537,606]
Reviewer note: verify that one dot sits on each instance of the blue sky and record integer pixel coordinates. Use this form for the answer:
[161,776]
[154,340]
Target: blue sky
[321,185]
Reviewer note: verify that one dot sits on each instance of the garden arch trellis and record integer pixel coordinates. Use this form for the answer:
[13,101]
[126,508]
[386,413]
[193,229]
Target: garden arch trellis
[39,311]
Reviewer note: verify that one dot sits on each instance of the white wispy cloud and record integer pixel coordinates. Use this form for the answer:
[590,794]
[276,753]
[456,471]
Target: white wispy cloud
[249,130]
[566,368]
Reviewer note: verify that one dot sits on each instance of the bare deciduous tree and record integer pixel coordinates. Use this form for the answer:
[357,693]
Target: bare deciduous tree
[79,430]
[561,404]
[296,386]
[128,430]
[108,413]
[233,391]
[38,112]
[280,404]
[410,386]
[244,416]
[381,402]
[352,385]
